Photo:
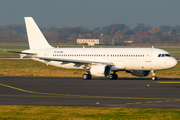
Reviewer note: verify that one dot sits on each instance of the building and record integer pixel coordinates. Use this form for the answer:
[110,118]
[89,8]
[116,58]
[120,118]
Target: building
[90,42]
[112,42]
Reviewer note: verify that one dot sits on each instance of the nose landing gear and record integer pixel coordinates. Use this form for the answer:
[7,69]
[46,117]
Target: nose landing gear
[154,78]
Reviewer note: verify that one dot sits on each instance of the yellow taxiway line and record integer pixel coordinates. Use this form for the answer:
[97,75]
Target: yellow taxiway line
[168,82]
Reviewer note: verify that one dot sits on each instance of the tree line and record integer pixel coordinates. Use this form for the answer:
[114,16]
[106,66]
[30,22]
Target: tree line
[141,34]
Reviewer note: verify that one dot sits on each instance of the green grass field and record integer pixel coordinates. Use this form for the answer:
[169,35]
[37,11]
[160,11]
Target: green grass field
[85,113]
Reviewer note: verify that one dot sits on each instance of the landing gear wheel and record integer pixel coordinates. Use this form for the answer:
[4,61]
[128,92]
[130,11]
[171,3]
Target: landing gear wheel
[89,76]
[154,78]
[113,76]
[86,76]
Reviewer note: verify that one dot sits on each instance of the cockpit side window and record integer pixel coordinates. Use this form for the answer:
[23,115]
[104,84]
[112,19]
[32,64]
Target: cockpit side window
[168,55]
[164,55]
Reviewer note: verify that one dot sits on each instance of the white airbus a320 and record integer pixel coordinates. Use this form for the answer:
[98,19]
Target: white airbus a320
[96,61]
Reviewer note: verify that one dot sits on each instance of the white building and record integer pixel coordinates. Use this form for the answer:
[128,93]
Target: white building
[90,42]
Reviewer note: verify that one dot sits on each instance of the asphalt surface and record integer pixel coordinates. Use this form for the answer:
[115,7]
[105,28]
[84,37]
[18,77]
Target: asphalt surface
[124,92]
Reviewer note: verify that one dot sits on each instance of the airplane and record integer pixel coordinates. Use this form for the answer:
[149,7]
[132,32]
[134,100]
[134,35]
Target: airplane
[101,62]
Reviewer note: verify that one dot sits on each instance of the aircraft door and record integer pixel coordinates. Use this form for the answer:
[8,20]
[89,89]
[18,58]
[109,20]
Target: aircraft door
[148,56]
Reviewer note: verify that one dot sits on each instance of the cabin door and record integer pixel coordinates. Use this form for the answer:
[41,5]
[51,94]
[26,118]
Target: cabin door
[148,56]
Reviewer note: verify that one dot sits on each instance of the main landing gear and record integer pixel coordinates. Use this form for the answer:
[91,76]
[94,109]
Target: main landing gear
[87,76]
[113,76]
[154,78]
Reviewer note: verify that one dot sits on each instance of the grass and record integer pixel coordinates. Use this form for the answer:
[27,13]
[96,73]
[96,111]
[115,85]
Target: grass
[85,113]
[11,48]
[36,69]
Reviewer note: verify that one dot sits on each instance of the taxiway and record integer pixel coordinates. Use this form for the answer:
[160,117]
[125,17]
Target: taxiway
[124,92]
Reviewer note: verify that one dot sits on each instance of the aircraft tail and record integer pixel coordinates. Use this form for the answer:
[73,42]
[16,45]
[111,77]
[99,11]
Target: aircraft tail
[35,37]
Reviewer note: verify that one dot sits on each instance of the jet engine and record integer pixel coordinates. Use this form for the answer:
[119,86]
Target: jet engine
[139,73]
[100,70]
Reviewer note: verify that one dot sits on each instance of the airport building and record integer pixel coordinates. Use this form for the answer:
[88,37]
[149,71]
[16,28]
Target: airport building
[90,42]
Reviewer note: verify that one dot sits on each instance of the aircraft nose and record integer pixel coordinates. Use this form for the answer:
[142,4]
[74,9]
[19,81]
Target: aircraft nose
[174,62]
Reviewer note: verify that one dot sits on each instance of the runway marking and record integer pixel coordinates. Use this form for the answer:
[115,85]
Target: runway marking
[169,82]
[128,103]
[81,96]
[149,102]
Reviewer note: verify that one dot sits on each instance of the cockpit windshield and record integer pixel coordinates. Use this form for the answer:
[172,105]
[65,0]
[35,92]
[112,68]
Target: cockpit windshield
[164,55]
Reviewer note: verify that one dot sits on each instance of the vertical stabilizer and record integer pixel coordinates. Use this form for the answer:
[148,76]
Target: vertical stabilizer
[35,37]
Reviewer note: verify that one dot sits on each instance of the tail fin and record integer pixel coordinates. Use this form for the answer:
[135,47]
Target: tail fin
[35,37]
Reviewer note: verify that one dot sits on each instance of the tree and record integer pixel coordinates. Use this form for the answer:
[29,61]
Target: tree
[173,31]
[112,30]
[130,32]
[141,27]
[155,30]
[165,28]
[107,39]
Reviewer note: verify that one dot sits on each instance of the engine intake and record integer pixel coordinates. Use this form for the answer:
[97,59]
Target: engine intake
[100,70]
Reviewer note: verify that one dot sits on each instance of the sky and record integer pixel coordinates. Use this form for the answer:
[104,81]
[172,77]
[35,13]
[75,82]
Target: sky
[91,13]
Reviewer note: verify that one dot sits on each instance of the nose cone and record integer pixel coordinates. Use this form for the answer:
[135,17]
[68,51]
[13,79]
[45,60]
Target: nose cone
[173,63]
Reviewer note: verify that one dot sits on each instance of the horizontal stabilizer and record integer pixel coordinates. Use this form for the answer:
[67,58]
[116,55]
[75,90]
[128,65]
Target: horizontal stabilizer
[21,52]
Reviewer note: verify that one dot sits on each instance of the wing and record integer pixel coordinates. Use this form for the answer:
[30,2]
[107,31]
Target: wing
[72,60]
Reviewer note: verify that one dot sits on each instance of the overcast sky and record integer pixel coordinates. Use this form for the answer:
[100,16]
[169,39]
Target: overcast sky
[91,13]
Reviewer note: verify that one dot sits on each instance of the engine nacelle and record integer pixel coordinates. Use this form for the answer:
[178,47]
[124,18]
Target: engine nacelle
[139,73]
[100,70]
